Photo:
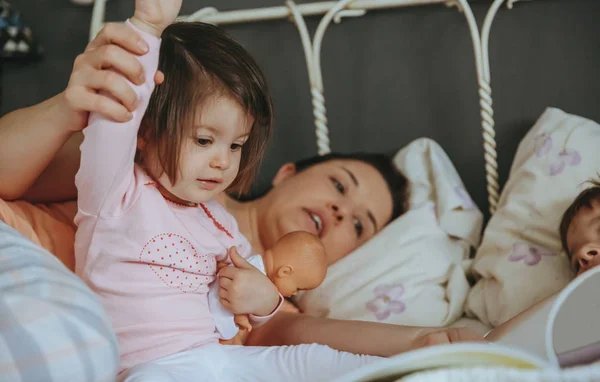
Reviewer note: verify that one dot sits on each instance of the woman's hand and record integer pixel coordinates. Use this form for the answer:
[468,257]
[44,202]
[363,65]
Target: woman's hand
[98,80]
[244,289]
[447,336]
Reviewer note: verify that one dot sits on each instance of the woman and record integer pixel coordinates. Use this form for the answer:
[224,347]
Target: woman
[349,199]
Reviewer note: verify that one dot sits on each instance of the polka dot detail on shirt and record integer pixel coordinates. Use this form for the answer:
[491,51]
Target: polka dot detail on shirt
[174,260]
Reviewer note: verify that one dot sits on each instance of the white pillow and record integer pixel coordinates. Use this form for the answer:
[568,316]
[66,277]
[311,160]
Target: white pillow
[411,273]
[520,260]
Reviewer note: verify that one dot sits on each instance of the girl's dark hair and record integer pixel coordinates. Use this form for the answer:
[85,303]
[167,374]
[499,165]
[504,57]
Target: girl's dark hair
[396,181]
[201,61]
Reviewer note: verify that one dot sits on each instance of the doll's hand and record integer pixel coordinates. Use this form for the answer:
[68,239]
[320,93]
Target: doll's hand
[243,322]
[244,289]
[153,16]
[221,265]
[447,336]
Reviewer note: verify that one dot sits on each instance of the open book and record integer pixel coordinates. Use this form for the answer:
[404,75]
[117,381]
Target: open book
[561,331]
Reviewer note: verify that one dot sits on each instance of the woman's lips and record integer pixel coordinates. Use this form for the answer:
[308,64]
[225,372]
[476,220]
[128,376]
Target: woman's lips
[317,221]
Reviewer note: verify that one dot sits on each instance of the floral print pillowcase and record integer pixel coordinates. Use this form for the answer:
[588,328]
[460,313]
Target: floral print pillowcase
[520,261]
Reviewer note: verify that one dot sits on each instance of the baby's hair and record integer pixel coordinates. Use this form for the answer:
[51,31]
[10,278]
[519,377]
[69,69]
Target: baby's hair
[584,199]
[201,61]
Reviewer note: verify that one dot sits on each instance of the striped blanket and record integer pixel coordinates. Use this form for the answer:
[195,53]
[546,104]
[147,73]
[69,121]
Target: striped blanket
[52,327]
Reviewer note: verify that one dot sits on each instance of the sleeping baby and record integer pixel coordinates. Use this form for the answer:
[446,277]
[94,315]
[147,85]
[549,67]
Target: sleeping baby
[580,229]
[296,262]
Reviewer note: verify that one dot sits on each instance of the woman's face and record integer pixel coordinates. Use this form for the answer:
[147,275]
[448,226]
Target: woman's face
[343,202]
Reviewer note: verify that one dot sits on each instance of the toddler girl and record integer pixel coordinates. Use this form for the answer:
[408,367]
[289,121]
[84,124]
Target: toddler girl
[149,231]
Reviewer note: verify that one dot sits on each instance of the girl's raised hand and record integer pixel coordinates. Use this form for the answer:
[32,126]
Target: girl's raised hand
[153,16]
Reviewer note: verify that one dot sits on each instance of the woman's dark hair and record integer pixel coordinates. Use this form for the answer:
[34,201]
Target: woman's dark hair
[201,61]
[396,181]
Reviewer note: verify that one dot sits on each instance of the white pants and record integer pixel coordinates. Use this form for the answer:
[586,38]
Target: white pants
[225,363]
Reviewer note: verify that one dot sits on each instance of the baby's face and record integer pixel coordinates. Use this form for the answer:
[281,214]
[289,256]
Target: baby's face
[583,238]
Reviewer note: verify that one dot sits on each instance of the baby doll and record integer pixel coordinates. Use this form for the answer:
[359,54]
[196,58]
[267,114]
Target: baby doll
[580,229]
[296,262]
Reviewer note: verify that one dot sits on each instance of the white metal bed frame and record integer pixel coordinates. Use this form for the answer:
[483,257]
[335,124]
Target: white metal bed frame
[335,11]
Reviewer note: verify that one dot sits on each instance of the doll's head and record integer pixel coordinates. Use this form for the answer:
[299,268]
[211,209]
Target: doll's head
[207,125]
[296,262]
[580,229]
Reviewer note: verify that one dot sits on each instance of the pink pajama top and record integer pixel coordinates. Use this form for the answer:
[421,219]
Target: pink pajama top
[150,260]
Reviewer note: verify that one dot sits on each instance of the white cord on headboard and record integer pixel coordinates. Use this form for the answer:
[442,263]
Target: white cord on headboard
[487,112]
[485,102]
[335,10]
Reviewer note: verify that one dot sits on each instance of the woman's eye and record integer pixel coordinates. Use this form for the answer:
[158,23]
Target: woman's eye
[203,141]
[339,186]
[235,147]
[358,227]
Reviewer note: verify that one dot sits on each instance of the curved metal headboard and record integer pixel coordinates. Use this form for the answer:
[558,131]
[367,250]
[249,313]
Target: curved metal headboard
[335,11]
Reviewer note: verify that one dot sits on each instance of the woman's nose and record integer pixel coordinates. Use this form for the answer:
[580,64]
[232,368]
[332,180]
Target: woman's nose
[336,211]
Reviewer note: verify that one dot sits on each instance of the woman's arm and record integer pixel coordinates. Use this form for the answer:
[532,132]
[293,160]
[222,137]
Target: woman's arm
[57,182]
[30,138]
[359,337]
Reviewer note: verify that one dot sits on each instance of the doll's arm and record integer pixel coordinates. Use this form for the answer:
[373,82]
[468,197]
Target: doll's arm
[243,322]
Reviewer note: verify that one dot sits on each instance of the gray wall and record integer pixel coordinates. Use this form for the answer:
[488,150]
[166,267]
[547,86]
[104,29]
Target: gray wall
[390,76]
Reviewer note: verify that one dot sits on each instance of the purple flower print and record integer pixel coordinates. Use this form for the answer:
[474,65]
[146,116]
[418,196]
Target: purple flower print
[530,254]
[567,157]
[386,301]
[465,198]
[543,144]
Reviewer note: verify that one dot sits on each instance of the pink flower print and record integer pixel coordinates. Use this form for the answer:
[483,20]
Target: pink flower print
[386,301]
[567,157]
[530,254]
[467,202]
[543,144]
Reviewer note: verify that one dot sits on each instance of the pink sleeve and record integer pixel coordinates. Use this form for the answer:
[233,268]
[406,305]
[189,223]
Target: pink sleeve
[259,320]
[107,153]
